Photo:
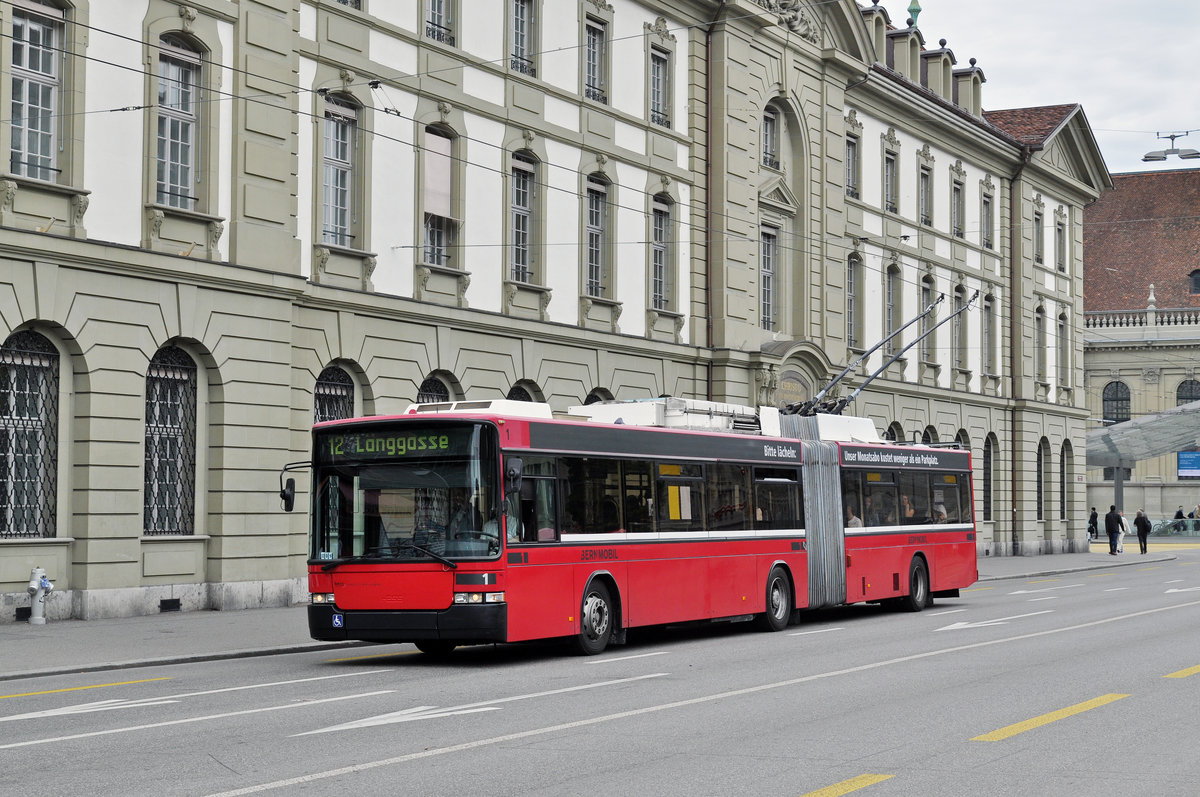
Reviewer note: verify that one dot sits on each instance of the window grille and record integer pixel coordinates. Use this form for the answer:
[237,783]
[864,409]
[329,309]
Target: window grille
[438,25]
[522,38]
[1115,403]
[333,395]
[170,465]
[28,436]
[989,456]
[433,390]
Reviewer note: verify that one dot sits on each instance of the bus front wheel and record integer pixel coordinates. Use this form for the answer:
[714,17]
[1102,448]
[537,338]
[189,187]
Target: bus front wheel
[918,586]
[779,601]
[595,620]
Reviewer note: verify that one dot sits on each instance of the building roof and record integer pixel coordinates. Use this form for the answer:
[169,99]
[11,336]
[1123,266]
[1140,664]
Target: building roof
[1144,232]
[1031,125]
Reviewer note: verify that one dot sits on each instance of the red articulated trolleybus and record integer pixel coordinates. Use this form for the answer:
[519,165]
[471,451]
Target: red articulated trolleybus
[496,521]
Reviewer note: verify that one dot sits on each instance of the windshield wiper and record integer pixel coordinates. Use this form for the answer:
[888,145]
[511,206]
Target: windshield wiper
[450,563]
[362,557]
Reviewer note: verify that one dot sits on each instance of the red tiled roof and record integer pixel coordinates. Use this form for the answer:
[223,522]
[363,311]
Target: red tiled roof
[1144,232]
[1031,125]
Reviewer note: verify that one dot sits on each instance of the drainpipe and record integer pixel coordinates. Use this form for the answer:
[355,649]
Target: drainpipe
[708,191]
[1014,328]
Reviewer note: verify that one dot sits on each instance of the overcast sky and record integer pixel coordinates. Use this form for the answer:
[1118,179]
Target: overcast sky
[1133,66]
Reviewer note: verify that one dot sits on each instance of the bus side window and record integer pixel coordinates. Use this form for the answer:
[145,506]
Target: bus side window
[637,482]
[728,497]
[539,508]
[777,499]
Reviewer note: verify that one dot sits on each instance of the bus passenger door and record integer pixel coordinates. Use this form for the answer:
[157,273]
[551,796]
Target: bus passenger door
[823,524]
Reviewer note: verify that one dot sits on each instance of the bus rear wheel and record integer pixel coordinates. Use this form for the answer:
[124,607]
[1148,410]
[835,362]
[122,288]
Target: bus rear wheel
[595,620]
[918,587]
[436,648]
[779,601]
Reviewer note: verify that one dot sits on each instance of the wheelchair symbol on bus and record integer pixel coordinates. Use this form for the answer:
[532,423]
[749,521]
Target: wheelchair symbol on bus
[337,621]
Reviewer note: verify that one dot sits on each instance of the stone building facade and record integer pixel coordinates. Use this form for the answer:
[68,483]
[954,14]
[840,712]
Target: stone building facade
[1142,325]
[225,219]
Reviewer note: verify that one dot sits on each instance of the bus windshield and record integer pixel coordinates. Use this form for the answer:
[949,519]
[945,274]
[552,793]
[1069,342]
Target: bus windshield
[410,492]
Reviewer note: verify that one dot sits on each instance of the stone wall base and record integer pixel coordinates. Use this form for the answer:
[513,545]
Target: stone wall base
[99,604]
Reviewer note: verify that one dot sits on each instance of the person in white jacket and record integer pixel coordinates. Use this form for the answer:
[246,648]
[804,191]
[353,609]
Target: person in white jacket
[1124,531]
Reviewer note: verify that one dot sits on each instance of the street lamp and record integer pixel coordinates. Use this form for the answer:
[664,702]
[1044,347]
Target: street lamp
[1161,154]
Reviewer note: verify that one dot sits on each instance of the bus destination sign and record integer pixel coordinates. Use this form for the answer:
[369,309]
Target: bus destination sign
[393,443]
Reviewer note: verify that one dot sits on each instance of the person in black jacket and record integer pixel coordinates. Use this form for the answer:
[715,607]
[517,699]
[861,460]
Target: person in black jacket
[1112,527]
[1141,524]
[1093,525]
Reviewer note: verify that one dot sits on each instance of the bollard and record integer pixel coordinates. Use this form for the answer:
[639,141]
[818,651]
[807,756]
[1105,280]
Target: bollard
[39,588]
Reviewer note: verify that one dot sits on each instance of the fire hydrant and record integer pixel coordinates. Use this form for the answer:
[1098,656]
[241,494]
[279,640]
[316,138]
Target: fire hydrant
[39,588]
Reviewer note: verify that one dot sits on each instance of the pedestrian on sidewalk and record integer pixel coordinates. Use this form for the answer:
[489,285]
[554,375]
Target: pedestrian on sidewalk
[1179,520]
[1112,527]
[1124,531]
[1093,525]
[1142,524]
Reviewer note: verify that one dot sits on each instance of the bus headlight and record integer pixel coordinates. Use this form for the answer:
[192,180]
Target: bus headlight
[478,597]
[322,597]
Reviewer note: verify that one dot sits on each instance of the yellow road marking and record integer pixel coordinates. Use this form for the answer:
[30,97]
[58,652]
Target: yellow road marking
[78,688]
[847,786]
[1043,580]
[1046,719]
[978,589]
[1184,673]
[372,656]
[1102,575]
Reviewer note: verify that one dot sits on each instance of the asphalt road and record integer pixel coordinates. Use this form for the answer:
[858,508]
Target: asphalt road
[1082,684]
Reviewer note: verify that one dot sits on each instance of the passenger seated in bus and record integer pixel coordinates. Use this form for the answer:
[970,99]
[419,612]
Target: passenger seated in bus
[610,515]
[852,520]
[939,513]
[908,513]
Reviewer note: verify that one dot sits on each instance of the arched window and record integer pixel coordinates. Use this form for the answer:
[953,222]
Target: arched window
[1194,282]
[1116,402]
[770,138]
[333,395]
[894,433]
[1066,477]
[1043,474]
[929,436]
[170,456]
[597,395]
[28,436]
[1187,392]
[963,439]
[991,451]
[433,390]
[518,393]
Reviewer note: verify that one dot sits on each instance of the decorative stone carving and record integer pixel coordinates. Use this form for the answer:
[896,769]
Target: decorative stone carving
[79,206]
[528,135]
[368,270]
[187,18]
[464,281]
[958,170]
[215,230]
[1038,204]
[679,329]
[1151,375]
[660,29]
[585,309]
[602,6]
[154,221]
[926,154]
[988,186]
[510,297]
[852,124]
[444,109]
[890,139]
[320,262]
[616,315]
[766,382]
[420,282]
[347,77]
[544,305]
[796,19]
[9,196]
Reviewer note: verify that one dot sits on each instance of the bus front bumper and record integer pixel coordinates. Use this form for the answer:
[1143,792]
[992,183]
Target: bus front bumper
[459,624]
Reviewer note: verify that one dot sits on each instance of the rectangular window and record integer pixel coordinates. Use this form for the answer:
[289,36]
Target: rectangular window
[891,307]
[852,303]
[769,240]
[891,190]
[1060,245]
[522,38]
[988,338]
[778,499]
[728,497]
[958,209]
[925,196]
[852,167]
[351,3]
[660,262]
[1039,346]
[439,25]
[1064,352]
[596,280]
[178,124]
[338,168]
[37,41]
[928,349]
[522,219]
[438,197]
[960,332]
[594,62]
[770,139]
[1039,239]
[660,97]
[987,222]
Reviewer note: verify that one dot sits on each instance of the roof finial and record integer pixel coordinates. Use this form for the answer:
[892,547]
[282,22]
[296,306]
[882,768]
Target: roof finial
[914,10]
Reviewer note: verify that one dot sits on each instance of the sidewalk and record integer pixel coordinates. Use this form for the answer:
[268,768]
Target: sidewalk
[75,646]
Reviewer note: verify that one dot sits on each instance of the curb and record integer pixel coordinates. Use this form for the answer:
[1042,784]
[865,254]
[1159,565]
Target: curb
[1164,557]
[190,658]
